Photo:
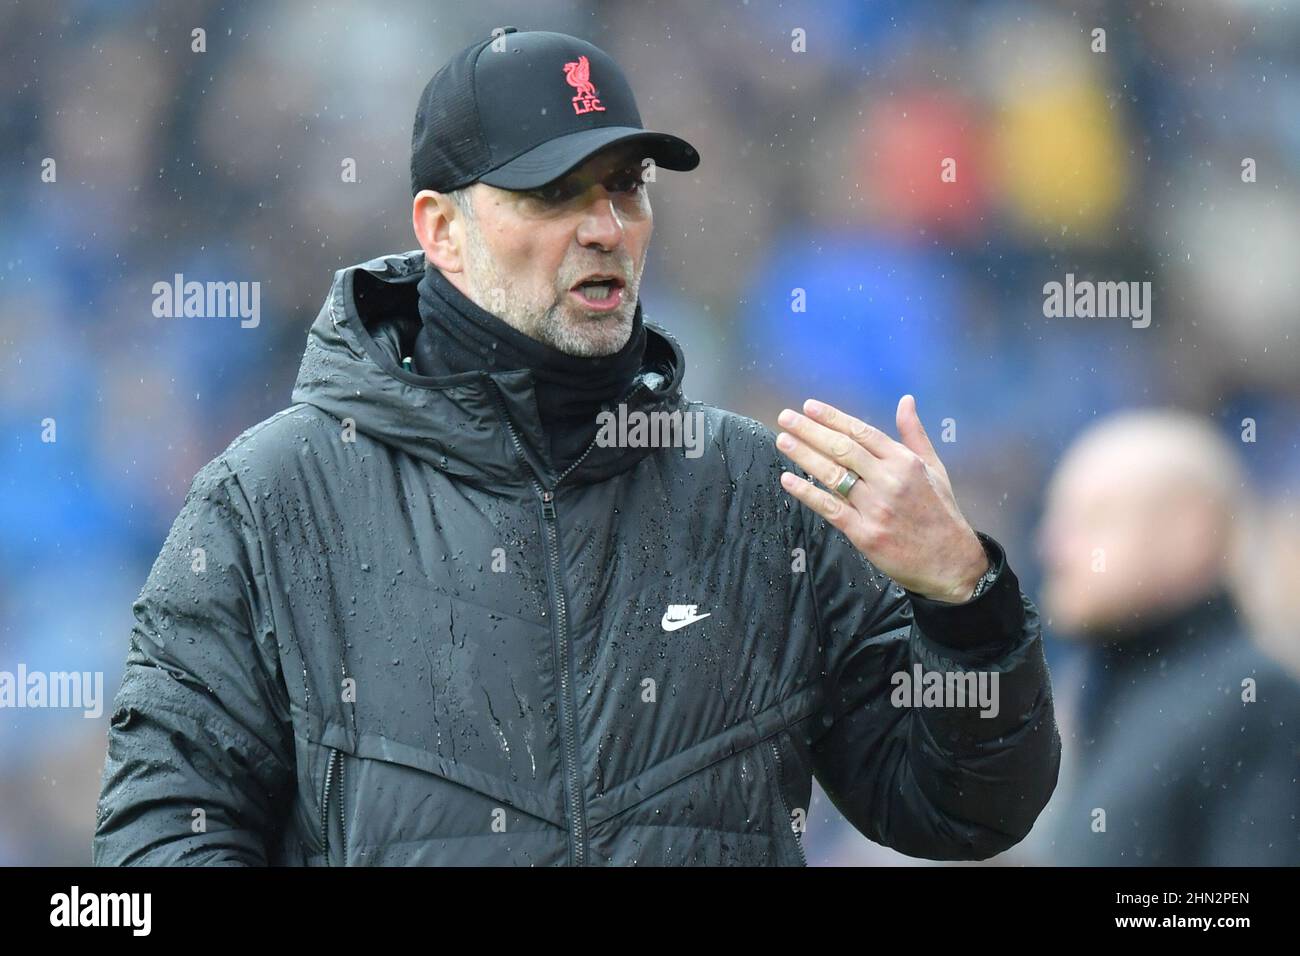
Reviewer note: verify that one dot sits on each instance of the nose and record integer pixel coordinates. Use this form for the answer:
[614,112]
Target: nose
[601,225]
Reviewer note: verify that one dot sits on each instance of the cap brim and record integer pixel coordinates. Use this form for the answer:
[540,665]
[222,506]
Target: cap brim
[554,158]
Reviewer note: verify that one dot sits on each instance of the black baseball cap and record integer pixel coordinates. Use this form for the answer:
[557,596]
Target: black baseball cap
[518,110]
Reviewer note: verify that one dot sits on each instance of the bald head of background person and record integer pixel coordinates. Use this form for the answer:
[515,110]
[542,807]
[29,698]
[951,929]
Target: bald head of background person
[1144,515]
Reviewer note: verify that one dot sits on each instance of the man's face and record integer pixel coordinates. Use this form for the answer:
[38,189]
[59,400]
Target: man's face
[1095,542]
[526,251]
[1123,537]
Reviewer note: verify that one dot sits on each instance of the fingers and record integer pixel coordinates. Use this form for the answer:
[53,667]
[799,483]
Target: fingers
[820,467]
[833,508]
[913,433]
[825,453]
[872,439]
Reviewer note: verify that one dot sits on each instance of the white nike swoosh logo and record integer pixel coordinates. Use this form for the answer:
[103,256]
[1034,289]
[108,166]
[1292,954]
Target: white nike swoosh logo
[671,625]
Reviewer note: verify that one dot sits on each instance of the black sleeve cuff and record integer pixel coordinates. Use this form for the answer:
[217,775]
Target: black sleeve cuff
[991,621]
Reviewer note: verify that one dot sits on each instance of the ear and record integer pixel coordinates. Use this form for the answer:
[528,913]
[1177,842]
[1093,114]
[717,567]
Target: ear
[439,229]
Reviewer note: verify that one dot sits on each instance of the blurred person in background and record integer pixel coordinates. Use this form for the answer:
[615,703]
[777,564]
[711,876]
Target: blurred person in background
[1183,747]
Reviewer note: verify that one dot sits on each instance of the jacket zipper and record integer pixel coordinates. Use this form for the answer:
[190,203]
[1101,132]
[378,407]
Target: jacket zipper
[577,814]
[334,757]
[780,776]
[343,820]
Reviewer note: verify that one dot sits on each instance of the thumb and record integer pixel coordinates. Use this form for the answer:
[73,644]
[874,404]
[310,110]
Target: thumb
[913,433]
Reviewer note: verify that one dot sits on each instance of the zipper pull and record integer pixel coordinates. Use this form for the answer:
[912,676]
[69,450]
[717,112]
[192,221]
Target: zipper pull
[548,504]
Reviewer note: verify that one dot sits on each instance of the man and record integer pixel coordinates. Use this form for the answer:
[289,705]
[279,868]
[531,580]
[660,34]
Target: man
[1185,748]
[440,612]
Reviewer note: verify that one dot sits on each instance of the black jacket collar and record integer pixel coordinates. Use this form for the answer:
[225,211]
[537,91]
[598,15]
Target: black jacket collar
[458,335]
[352,369]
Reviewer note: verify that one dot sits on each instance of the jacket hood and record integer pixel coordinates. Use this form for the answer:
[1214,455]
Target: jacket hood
[351,369]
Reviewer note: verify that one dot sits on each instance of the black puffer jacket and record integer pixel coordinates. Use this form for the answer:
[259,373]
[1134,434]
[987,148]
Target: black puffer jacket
[381,632]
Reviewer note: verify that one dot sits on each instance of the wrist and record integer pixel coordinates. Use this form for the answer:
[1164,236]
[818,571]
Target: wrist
[969,583]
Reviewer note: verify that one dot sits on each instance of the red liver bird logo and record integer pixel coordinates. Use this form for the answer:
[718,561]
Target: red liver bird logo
[578,75]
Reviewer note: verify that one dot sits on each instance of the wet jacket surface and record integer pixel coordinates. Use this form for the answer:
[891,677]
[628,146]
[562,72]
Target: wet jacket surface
[383,631]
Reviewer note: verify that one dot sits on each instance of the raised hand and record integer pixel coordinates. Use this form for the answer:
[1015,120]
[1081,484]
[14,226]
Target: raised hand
[901,513]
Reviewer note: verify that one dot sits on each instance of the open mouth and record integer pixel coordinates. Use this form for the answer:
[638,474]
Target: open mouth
[600,293]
